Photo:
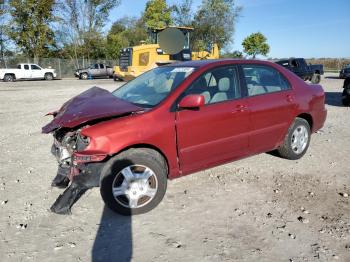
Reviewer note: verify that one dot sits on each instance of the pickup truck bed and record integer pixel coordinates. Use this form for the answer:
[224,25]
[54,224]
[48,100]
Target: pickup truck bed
[303,70]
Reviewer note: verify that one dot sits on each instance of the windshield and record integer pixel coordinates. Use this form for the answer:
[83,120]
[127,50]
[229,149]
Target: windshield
[150,88]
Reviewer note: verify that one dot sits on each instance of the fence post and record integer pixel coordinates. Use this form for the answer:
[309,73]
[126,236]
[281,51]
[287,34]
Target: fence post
[59,67]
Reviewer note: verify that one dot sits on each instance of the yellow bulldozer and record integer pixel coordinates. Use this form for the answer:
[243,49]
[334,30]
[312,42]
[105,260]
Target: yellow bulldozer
[168,45]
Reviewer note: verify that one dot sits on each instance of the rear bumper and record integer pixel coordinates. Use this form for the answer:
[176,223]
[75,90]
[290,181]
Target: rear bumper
[319,119]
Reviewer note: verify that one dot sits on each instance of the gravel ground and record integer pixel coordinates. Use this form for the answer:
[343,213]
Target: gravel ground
[262,208]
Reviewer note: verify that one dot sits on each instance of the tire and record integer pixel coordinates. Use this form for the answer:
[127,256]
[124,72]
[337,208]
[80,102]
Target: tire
[138,191]
[117,79]
[316,78]
[83,76]
[346,96]
[9,78]
[290,148]
[48,76]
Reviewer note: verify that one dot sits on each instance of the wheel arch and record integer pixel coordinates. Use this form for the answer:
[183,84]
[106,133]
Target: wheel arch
[146,146]
[308,118]
[11,74]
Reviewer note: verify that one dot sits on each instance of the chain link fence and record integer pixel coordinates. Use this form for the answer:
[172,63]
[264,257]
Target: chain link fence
[330,64]
[65,68]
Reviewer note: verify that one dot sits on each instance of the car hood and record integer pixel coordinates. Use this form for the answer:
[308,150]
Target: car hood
[94,103]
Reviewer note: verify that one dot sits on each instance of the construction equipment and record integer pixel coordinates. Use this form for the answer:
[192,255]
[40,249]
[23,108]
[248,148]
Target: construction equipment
[168,45]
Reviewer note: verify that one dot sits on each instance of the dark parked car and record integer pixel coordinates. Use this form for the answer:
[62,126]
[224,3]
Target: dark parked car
[94,71]
[345,72]
[303,70]
[346,92]
[175,120]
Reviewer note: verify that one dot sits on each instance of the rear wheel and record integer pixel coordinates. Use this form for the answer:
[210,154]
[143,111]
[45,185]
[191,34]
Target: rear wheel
[48,76]
[134,182]
[346,96]
[316,78]
[9,78]
[115,78]
[297,140]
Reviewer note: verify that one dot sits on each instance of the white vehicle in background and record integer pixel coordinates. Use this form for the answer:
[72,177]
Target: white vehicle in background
[27,71]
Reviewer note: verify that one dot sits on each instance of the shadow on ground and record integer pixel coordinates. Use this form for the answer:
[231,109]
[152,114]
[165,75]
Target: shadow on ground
[113,240]
[332,77]
[334,98]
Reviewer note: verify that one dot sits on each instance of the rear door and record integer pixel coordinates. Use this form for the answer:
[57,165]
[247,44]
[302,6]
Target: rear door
[27,73]
[218,131]
[270,100]
[103,70]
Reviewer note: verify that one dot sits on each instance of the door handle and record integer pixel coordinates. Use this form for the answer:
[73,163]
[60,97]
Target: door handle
[289,98]
[240,108]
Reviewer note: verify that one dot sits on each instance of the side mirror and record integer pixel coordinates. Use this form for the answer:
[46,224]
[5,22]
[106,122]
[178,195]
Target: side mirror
[192,102]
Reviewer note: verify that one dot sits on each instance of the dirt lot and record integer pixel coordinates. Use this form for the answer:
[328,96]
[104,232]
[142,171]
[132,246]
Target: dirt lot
[262,208]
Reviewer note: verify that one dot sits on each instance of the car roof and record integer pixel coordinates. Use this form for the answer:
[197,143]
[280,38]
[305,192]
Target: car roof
[214,62]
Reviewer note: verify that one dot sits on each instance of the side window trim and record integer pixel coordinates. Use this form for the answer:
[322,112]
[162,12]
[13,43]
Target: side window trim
[239,82]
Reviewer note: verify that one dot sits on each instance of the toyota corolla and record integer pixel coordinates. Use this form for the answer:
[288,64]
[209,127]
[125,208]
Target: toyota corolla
[175,120]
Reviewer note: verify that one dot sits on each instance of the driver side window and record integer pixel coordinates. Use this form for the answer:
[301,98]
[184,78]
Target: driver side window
[217,85]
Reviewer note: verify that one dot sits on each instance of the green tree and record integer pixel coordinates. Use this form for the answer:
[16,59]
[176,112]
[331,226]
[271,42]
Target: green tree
[81,27]
[127,31]
[182,13]
[214,23]
[3,33]
[255,44]
[234,54]
[30,26]
[157,14]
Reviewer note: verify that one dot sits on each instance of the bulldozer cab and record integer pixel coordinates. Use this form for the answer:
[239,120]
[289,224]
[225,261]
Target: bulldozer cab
[154,34]
[174,41]
[165,46]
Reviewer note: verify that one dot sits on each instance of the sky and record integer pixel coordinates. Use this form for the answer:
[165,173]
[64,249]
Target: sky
[293,28]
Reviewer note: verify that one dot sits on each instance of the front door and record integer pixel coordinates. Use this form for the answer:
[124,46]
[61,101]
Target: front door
[36,71]
[218,131]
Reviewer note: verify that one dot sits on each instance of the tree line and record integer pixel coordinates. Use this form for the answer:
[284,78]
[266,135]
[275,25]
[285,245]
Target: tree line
[77,28]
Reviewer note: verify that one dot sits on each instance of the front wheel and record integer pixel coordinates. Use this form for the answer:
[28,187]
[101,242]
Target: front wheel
[84,76]
[134,182]
[316,78]
[297,140]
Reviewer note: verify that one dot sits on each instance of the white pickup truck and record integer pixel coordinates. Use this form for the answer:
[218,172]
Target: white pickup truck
[27,71]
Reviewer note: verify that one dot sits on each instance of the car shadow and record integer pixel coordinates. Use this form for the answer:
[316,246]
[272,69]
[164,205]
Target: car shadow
[113,240]
[333,98]
[332,77]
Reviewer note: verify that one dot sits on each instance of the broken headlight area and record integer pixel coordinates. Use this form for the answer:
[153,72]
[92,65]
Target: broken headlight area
[79,170]
[66,144]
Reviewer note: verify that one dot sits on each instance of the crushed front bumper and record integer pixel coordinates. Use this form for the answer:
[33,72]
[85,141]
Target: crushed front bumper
[79,172]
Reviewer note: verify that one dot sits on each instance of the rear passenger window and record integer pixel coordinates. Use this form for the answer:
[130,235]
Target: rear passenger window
[102,66]
[217,85]
[264,79]
[26,67]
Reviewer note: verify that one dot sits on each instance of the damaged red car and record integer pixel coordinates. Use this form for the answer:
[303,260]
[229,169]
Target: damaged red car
[175,120]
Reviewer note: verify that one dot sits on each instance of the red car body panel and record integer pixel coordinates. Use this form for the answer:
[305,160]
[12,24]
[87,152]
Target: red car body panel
[192,140]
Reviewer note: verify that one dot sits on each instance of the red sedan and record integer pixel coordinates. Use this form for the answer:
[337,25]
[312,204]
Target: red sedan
[175,120]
